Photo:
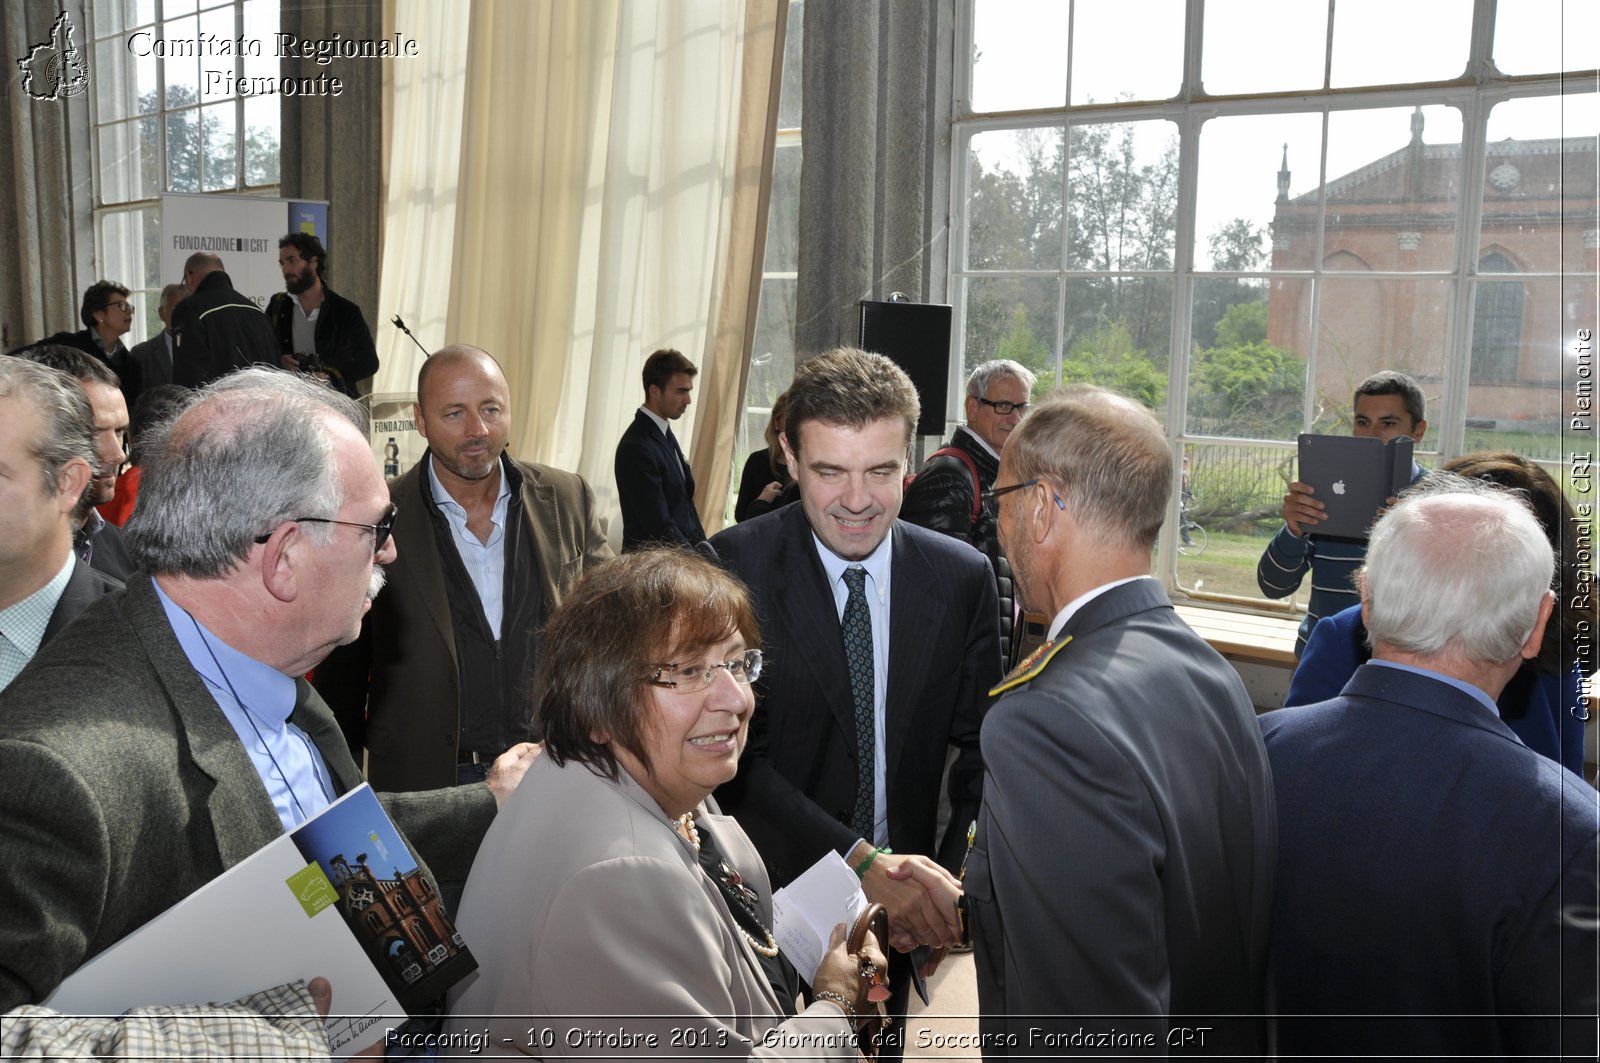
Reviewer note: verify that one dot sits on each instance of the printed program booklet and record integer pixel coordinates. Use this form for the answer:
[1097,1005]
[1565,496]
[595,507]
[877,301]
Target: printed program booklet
[341,897]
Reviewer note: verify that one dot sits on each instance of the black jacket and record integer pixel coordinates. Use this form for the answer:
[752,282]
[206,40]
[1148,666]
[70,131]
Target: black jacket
[344,343]
[940,498]
[120,361]
[215,331]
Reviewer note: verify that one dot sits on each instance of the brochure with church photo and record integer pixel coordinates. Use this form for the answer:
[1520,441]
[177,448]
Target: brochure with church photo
[341,897]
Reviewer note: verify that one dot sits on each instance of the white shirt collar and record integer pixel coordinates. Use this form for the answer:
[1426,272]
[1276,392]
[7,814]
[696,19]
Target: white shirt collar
[1072,607]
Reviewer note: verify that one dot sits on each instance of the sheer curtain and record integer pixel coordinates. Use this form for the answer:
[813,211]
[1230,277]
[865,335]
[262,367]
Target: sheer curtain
[609,200]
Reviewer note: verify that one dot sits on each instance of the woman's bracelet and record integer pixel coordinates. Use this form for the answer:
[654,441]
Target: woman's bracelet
[838,998]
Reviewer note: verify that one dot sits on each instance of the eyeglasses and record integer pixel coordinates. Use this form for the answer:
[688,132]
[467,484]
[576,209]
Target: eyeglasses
[1003,408]
[688,678]
[380,531]
[997,492]
[121,304]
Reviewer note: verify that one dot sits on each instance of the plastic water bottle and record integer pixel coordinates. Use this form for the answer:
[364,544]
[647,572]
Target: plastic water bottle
[391,459]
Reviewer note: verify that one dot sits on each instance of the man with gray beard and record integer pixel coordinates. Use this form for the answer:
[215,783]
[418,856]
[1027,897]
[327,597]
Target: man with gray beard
[168,733]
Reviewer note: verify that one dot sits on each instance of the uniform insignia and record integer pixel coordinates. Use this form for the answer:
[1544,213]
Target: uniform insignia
[1030,666]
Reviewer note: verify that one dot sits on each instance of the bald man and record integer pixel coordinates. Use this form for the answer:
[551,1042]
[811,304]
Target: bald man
[216,330]
[439,683]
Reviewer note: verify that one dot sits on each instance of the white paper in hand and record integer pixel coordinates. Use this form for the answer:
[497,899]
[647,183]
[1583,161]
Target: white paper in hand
[805,911]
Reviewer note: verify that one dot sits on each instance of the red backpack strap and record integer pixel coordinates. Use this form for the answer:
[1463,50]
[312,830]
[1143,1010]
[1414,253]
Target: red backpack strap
[972,468]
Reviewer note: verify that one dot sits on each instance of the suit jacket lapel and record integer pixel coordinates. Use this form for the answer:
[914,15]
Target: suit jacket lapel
[541,514]
[237,797]
[802,598]
[418,550]
[914,617]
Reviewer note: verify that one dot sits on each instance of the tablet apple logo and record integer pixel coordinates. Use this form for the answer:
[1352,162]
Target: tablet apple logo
[1338,487]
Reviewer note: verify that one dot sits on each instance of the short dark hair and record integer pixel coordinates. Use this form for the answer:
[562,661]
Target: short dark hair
[95,299]
[1543,496]
[851,388]
[662,366]
[79,366]
[153,406]
[309,247]
[646,607]
[1392,382]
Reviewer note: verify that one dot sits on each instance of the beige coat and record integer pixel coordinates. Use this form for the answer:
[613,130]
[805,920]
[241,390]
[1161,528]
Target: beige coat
[595,930]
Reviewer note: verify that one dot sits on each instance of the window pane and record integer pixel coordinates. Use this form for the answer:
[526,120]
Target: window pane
[1014,217]
[1548,36]
[1012,317]
[1368,325]
[183,150]
[183,75]
[1247,376]
[1539,196]
[1122,195]
[1258,177]
[772,353]
[1391,195]
[1233,509]
[793,40]
[219,126]
[1101,71]
[1117,334]
[1380,42]
[1520,330]
[125,84]
[130,248]
[129,168]
[1263,46]
[783,212]
[1015,71]
[261,141]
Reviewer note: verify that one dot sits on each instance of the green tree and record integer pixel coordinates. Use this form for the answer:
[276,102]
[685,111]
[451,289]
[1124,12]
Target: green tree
[1244,386]
[1107,357]
[1021,345]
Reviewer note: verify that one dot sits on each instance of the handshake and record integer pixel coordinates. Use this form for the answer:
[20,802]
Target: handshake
[924,900]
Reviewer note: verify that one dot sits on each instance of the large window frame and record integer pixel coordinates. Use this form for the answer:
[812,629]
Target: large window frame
[127,227]
[1473,95]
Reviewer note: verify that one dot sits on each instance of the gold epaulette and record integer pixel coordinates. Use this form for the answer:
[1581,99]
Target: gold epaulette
[1030,666]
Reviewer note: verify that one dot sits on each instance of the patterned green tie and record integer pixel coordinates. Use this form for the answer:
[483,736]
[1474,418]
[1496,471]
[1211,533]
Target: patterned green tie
[858,652]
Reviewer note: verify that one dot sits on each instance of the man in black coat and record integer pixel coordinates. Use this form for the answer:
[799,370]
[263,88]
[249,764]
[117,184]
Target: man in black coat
[947,495]
[216,330]
[654,484]
[318,330]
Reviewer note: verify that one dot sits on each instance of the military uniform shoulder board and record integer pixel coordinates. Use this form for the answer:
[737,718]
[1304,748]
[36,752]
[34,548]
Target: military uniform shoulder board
[1030,666]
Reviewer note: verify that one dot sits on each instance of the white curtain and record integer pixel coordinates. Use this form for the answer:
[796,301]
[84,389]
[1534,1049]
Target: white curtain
[422,127]
[607,202]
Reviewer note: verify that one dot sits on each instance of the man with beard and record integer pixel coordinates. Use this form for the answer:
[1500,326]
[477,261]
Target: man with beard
[439,683]
[216,330]
[1122,868]
[319,331]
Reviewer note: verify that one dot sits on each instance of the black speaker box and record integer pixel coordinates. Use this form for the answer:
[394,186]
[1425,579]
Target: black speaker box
[916,337]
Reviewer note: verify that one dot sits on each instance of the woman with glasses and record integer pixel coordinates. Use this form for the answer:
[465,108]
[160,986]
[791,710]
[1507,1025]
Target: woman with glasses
[107,316]
[611,908]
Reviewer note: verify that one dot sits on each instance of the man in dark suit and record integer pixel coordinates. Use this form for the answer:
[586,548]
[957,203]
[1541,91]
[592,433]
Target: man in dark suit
[654,484]
[216,330]
[441,680]
[154,355]
[1121,876]
[46,455]
[166,734]
[882,640]
[1429,863]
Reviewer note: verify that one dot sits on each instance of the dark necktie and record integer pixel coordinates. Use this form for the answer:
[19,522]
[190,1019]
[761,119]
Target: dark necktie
[682,461]
[857,626]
